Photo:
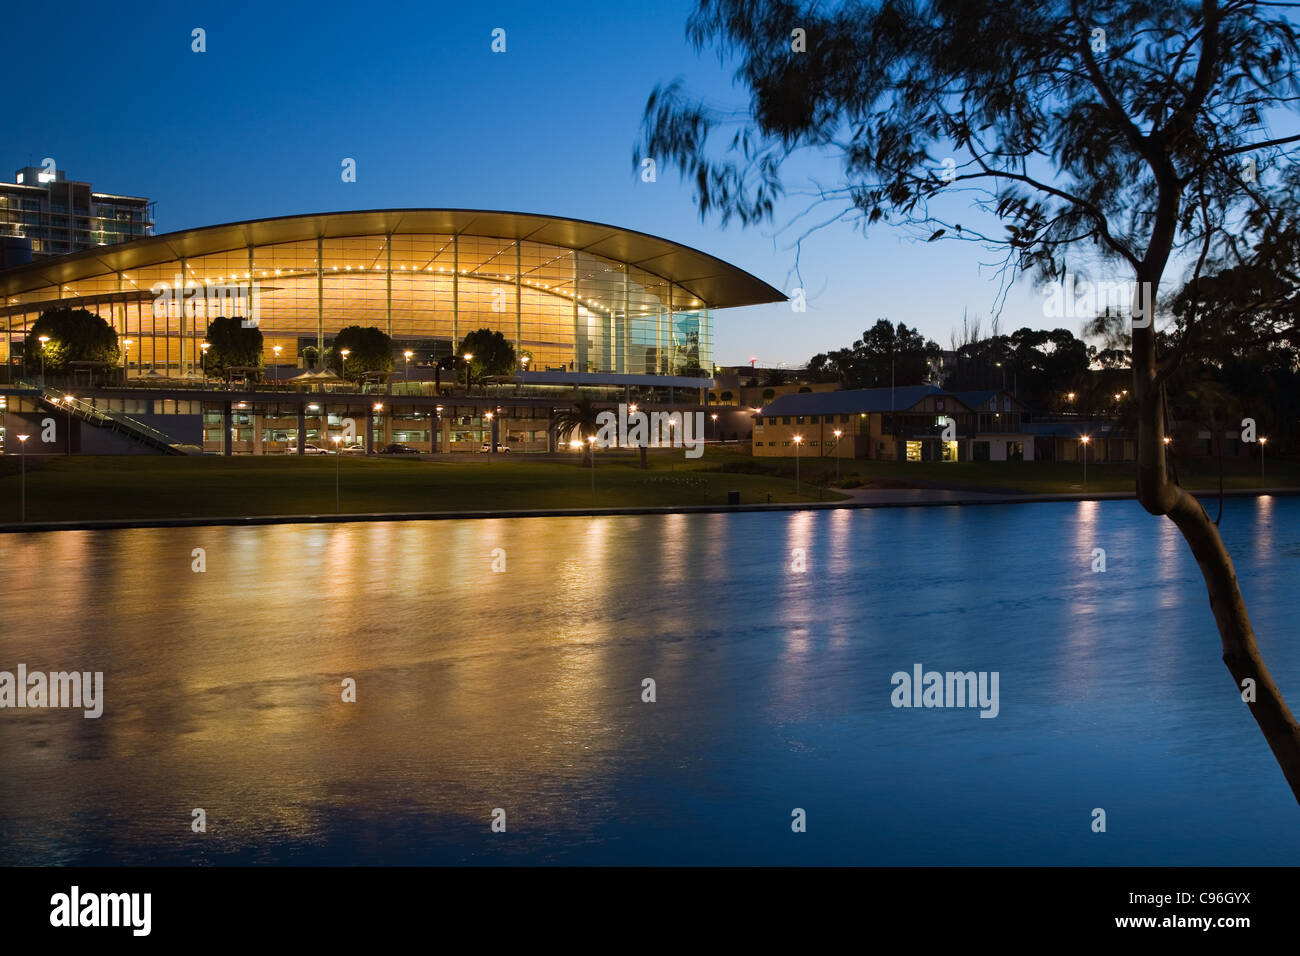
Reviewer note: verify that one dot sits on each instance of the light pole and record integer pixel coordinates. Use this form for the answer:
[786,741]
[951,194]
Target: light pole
[277,349]
[798,440]
[337,455]
[126,353]
[22,505]
[437,410]
[67,401]
[43,339]
[203,357]
[1084,447]
[592,440]
[838,432]
[1262,442]
[343,361]
[407,355]
[468,356]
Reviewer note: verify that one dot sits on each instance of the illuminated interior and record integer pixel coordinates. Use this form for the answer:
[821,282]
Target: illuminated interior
[565,308]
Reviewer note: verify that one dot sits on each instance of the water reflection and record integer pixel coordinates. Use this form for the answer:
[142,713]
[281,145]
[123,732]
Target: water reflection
[521,688]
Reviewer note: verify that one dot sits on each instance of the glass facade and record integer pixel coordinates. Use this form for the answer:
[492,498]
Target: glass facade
[566,309]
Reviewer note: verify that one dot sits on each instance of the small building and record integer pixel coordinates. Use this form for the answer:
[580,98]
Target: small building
[927,423]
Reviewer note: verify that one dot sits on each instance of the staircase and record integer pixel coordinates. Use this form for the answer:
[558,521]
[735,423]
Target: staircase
[116,422]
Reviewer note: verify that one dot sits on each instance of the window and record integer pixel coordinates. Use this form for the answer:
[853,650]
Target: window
[813,420]
[844,419]
[914,451]
[785,420]
[980,451]
[1015,451]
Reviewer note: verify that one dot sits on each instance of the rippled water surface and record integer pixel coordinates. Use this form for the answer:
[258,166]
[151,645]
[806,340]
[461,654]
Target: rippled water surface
[522,690]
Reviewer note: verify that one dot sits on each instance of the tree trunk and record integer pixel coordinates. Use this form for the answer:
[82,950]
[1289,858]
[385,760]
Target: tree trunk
[1159,496]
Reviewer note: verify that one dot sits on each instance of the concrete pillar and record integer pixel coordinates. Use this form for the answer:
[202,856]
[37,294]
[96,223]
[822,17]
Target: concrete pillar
[302,427]
[227,439]
[257,432]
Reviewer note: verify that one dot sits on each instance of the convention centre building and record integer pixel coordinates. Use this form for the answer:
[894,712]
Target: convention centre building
[585,305]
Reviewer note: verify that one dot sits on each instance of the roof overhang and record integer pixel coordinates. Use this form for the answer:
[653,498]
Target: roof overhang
[706,277]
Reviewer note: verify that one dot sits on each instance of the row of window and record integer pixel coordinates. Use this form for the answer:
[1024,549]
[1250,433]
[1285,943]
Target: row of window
[805,419]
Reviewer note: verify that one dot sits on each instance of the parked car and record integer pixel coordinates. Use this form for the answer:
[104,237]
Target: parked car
[487,446]
[357,449]
[308,449]
[397,448]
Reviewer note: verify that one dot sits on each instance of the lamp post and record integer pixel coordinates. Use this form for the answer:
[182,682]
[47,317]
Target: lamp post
[277,349]
[67,403]
[838,432]
[126,353]
[1262,442]
[44,340]
[1084,446]
[437,410]
[338,453]
[592,440]
[203,357]
[343,361]
[798,440]
[468,356]
[22,500]
[407,355]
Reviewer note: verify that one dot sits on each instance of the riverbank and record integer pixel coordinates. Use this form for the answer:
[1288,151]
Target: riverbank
[102,493]
[135,490]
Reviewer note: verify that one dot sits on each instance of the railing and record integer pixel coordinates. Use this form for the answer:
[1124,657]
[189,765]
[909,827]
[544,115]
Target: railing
[114,421]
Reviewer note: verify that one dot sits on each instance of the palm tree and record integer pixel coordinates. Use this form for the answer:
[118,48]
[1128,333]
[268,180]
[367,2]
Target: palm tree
[582,419]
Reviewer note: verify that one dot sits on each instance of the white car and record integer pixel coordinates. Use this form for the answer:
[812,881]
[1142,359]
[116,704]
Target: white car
[487,447]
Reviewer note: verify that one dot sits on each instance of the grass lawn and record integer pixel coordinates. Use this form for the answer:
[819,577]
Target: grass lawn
[77,488]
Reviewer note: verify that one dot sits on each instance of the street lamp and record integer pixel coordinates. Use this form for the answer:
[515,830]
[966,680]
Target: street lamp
[343,361]
[592,440]
[407,355]
[277,349]
[43,339]
[468,356]
[203,358]
[1262,442]
[1084,440]
[837,433]
[798,440]
[337,455]
[67,401]
[22,506]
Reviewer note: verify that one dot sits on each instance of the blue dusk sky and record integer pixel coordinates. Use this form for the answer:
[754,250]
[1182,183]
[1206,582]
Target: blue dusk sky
[259,124]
